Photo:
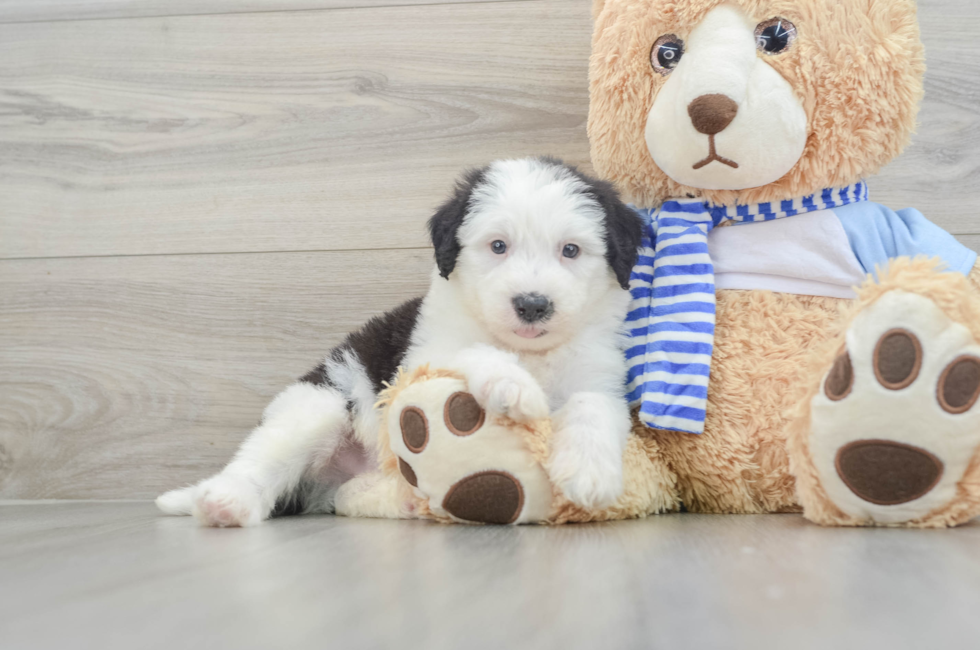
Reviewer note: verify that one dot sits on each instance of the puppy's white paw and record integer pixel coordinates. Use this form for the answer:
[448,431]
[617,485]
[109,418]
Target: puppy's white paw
[227,501]
[589,479]
[501,385]
[516,395]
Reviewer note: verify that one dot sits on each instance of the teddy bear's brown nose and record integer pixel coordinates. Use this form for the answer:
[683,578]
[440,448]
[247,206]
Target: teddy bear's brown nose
[711,114]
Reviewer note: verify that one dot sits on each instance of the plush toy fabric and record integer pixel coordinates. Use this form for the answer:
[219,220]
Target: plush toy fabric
[862,411]
[795,347]
[442,457]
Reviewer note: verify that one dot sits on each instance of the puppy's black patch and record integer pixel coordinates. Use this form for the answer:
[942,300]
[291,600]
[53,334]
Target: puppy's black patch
[319,377]
[443,226]
[292,503]
[379,346]
[624,227]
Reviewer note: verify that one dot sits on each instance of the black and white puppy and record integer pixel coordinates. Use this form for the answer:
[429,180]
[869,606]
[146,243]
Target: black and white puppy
[528,300]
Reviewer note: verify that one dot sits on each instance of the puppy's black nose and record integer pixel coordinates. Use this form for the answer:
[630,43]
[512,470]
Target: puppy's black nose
[533,307]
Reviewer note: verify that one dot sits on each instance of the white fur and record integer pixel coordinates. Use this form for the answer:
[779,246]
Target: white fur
[768,134]
[576,369]
[301,423]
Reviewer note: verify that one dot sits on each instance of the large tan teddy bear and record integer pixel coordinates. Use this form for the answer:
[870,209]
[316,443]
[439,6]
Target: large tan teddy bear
[793,346]
[857,406]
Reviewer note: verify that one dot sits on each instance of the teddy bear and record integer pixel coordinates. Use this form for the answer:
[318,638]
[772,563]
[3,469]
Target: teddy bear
[793,346]
[743,130]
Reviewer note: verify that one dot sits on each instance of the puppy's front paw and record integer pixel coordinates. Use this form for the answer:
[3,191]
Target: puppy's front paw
[228,501]
[501,385]
[516,395]
[589,479]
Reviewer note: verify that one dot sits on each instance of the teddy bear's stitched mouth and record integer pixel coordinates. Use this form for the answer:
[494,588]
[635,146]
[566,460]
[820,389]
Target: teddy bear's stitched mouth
[714,157]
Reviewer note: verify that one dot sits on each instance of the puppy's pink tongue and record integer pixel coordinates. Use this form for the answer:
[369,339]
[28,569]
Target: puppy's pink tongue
[529,332]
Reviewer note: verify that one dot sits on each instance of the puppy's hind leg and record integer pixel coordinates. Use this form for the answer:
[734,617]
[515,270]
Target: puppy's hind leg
[302,421]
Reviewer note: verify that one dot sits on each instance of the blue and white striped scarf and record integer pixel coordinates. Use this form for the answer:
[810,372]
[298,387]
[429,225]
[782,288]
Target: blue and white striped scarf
[672,315]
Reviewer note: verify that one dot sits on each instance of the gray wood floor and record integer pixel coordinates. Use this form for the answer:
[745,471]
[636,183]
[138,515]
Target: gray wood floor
[199,197]
[116,575]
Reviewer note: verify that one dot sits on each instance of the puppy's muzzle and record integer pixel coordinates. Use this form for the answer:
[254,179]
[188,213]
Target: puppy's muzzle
[533,307]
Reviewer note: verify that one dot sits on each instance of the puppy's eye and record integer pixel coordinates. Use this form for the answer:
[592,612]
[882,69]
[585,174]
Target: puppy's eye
[570,251]
[666,53]
[775,35]
[498,247]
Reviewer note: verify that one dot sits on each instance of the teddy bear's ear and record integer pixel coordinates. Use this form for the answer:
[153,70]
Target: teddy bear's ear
[444,225]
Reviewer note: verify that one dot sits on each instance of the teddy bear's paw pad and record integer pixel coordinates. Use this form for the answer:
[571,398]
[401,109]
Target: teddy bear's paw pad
[415,428]
[463,415]
[408,473]
[895,424]
[470,465]
[487,497]
[887,472]
[959,387]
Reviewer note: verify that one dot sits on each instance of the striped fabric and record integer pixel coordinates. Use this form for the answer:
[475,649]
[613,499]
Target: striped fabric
[672,316]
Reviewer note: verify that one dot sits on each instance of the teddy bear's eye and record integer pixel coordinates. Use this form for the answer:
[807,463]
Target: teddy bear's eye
[775,35]
[666,53]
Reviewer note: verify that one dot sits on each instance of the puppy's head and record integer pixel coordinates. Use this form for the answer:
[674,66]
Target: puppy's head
[537,248]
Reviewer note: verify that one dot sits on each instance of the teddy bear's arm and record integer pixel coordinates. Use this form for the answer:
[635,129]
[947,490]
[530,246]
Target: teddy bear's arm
[878,234]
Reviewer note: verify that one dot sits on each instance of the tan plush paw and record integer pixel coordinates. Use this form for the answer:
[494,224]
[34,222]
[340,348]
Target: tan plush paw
[895,425]
[469,465]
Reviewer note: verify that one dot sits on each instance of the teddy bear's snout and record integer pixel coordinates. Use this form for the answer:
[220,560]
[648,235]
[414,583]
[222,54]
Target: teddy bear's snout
[711,114]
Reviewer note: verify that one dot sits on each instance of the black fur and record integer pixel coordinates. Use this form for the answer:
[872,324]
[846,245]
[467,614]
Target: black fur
[380,346]
[624,227]
[444,225]
[319,376]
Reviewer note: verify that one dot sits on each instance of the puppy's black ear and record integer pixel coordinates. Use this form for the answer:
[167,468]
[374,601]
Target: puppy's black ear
[444,225]
[624,230]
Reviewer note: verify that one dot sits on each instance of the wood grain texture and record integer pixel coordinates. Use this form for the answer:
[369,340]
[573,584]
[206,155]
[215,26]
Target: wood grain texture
[249,132]
[275,131]
[166,139]
[940,173]
[121,377]
[20,11]
[118,576]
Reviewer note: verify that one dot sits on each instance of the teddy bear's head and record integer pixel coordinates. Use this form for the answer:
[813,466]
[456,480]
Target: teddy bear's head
[742,101]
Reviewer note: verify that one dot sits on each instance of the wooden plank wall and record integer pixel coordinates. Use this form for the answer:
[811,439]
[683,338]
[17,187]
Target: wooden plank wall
[197,199]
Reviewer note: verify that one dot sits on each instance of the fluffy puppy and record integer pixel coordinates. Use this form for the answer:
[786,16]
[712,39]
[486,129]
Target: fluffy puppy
[528,299]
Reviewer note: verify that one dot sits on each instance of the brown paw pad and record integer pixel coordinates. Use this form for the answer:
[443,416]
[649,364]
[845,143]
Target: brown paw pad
[959,385]
[415,428]
[463,415]
[897,359]
[408,473]
[840,381]
[887,473]
[490,497]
